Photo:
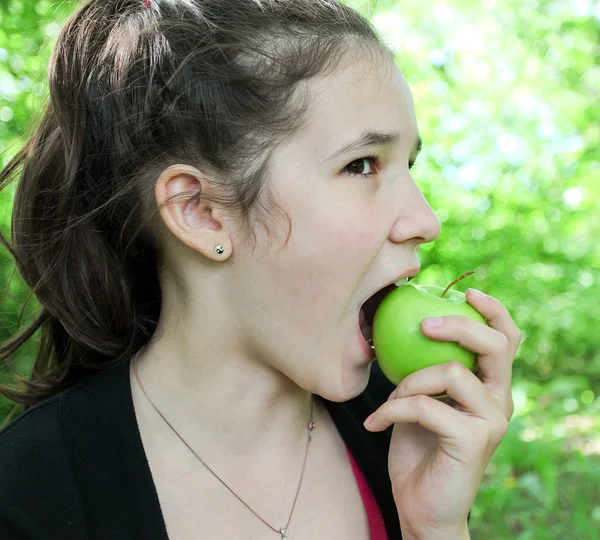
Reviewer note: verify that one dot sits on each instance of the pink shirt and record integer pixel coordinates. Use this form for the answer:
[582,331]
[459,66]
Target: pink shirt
[374,516]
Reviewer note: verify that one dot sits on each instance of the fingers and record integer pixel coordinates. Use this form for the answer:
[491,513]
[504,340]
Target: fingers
[424,410]
[470,334]
[496,344]
[490,345]
[497,317]
[456,381]
[409,403]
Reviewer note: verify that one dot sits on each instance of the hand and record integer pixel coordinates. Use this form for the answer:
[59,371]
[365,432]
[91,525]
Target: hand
[439,452]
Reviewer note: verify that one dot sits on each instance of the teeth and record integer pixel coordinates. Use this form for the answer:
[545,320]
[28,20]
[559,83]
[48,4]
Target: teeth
[401,282]
[367,332]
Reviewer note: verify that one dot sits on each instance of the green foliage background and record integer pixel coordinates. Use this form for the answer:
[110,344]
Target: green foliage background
[507,98]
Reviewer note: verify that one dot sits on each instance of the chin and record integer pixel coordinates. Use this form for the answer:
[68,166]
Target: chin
[354,383]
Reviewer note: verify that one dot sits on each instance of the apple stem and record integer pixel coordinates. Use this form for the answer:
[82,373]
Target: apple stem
[457,280]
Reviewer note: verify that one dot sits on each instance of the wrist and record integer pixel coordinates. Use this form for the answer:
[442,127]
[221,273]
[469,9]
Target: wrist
[434,533]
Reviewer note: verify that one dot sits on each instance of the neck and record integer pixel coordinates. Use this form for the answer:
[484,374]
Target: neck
[249,411]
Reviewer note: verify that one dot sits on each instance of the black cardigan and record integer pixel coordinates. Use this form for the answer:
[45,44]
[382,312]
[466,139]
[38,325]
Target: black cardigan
[73,467]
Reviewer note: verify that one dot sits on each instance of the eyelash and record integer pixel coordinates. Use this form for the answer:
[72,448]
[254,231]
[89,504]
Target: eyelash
[374,158]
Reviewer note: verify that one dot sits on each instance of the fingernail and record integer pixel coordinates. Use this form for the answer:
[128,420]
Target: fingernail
[478,294]
[433,322]
[369,420]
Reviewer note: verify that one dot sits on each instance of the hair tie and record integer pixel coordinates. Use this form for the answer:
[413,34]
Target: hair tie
[147,3]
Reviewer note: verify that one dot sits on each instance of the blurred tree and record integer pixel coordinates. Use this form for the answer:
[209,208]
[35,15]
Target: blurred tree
[507,99]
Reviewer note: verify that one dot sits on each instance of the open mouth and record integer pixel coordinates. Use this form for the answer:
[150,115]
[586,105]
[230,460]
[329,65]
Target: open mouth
[368,309]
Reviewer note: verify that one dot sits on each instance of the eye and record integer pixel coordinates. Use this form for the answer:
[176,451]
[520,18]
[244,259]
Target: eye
[358,165]
[360,162]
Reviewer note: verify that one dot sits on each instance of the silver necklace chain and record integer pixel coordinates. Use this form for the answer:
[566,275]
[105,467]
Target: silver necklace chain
[311,426]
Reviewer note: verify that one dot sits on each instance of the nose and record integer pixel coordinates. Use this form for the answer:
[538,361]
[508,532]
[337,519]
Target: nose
[416,220]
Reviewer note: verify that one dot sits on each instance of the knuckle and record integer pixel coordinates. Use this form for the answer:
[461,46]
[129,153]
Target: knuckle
[422,402]
[518,336]
[455,370]
[510,407]
[403,388]
[504,344]
[518,333]
[500,428]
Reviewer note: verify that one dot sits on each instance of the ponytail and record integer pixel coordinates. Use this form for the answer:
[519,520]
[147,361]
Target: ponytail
[93,291]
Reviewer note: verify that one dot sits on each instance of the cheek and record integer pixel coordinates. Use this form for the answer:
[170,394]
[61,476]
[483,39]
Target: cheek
[327,254]
[357,243]
[363,239]
[336,267]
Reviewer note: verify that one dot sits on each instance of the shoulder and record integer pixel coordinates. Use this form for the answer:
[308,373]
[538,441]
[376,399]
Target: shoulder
[37,491]
[31,437]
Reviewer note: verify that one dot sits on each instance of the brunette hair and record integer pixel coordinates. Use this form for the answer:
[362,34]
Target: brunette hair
[136,86]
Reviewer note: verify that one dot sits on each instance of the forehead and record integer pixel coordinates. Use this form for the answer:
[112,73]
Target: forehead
[369,92]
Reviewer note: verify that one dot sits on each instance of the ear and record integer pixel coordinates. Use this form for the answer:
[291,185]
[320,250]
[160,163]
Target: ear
[198,223]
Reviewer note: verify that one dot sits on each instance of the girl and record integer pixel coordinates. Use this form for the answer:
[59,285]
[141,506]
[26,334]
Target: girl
[215,191]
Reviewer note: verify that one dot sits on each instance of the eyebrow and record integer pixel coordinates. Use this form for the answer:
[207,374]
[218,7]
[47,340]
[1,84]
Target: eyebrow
[372,138]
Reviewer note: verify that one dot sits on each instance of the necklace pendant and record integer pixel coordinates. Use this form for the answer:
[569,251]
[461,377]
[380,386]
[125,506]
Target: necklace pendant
[282,533]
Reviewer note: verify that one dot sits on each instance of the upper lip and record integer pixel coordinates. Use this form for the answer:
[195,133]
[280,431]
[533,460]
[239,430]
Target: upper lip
[412,272]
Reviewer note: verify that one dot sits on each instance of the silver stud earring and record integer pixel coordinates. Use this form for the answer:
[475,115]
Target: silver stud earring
[219,249]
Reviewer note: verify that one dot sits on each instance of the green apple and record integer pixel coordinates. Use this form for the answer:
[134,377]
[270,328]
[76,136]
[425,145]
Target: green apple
[400,345]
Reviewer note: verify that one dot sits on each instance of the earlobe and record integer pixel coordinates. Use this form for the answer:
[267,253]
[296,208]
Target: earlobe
[195,221]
